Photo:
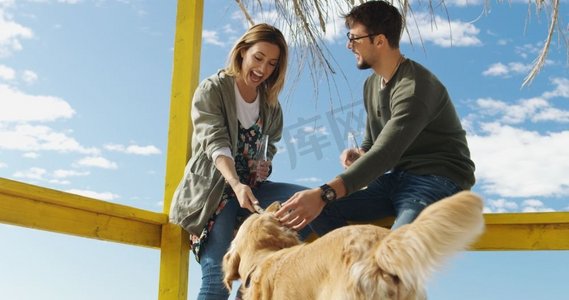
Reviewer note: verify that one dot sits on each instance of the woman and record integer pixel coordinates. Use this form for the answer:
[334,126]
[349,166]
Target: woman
[231,111]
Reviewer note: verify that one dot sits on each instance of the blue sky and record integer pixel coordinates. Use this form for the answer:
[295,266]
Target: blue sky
[84,100]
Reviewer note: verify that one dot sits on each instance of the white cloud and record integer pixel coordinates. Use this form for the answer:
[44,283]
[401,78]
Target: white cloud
[533,205]
[39,138]
[500,69]
[509,161]
[106,196]
[29,76]
[142,150]
[561,88]
[534,109]
[3,165]
[519,68]
[309,179]
[229,29]
[509,206]
[69,1]
[312,129]
[500,206]
[32,173]
[497,69]
[528,50]
[59,181]
[6,3]
[134,149]
[11,34]
[97,161]
[464,3]
[7,73]
[114,147]
[68,173]
[40,174]
[18,106]
[551,114]
[441,32]
[503,42]
[210,37]
[32,155]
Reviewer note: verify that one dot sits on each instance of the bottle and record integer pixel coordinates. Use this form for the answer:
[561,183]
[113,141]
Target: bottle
[354,154]
[260,157]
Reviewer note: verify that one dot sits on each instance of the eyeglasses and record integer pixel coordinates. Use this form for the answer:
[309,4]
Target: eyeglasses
[352,38]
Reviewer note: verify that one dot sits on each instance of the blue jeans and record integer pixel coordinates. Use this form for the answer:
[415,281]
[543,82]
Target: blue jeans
[221,235]
[398,193]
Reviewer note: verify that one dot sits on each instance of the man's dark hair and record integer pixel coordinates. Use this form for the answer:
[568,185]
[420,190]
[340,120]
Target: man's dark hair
[379,17]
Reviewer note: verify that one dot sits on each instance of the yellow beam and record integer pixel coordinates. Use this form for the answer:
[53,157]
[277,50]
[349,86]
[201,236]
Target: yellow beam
[174,264]
[46,209]
[519,231]
[525,231]
[59,198]
[527,218]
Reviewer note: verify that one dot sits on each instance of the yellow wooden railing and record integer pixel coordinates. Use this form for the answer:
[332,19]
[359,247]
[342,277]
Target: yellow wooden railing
[46,209]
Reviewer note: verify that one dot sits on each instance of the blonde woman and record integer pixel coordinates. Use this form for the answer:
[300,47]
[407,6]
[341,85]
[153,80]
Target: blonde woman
[231,111]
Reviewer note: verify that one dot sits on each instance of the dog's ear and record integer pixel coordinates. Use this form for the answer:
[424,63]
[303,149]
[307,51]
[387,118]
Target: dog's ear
[231,262]
[273,207]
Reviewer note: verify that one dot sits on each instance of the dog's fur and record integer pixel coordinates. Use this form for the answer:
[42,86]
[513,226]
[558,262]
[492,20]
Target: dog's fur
[352,262]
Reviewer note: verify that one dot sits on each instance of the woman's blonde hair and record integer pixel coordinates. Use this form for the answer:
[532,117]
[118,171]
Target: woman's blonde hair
[262,33]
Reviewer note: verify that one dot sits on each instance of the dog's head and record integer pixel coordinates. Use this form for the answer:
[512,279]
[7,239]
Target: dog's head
[259,233]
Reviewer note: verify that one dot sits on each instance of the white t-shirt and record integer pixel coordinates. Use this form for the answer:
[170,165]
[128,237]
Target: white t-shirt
[247,114]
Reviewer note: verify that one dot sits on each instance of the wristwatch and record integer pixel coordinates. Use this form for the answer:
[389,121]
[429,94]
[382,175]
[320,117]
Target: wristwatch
[328,193]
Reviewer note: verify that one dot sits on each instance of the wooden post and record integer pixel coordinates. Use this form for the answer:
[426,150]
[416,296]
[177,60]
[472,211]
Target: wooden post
[174,256]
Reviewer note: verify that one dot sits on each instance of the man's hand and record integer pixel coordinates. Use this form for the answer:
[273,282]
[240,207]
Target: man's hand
[349,156]
[301,209]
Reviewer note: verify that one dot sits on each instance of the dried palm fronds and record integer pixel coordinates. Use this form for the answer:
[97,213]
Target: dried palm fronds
[306,23]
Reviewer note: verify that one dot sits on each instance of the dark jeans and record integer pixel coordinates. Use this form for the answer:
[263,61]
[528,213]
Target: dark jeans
[398,193]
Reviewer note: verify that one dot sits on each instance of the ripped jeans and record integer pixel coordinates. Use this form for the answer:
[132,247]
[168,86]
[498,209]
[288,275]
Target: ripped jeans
[398,193]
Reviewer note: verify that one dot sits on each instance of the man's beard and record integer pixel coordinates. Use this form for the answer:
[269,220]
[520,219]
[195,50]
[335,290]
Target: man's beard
[363,65]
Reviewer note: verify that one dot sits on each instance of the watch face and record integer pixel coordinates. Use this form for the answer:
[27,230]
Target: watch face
[328,194]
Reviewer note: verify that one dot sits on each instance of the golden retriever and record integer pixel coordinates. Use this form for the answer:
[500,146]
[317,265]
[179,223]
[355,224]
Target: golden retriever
[352,262]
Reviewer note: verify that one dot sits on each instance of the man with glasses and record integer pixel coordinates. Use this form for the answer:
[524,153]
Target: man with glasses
[414,151]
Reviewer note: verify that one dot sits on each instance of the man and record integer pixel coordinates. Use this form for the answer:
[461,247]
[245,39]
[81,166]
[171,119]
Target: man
[414,150]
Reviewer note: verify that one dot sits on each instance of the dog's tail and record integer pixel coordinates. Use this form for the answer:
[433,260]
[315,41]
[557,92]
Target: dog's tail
[413,251]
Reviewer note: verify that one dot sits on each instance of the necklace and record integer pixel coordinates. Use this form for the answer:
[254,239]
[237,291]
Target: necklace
[401,58]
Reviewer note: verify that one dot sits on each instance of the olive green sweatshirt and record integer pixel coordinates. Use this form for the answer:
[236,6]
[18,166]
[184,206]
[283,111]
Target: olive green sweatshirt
[411,126]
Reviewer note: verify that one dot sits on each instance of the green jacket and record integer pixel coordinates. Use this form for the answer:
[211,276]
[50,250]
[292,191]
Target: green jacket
[214,120]
[411,125]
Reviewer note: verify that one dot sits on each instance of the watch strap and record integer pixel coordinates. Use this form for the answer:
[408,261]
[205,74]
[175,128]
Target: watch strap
[328,193]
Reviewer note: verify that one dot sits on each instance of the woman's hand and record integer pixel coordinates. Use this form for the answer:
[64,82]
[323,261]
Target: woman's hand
[263,168]
[244,195]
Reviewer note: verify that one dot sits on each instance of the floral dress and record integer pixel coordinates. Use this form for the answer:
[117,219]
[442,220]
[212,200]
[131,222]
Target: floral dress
[247,144]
